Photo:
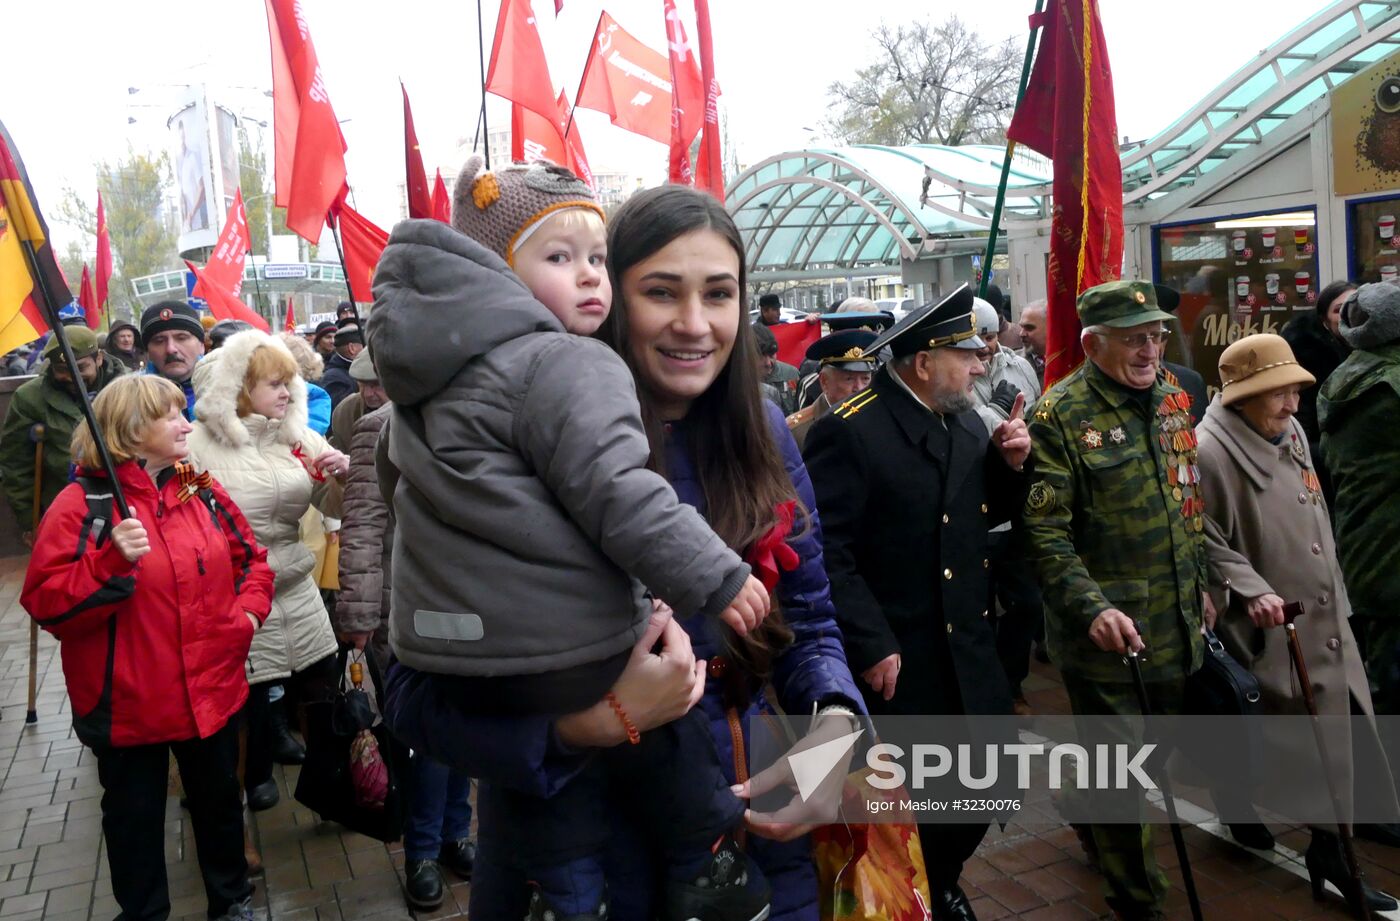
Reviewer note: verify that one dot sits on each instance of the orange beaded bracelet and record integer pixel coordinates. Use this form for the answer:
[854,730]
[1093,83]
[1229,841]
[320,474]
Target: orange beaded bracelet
[633,736]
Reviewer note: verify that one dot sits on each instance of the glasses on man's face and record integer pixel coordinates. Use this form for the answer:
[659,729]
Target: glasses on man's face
[1138,340]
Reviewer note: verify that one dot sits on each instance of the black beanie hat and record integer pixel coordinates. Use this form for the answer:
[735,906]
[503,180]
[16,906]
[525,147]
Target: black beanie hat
[169,315]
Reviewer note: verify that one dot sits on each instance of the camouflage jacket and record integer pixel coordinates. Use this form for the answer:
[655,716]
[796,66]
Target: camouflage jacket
[1113,520]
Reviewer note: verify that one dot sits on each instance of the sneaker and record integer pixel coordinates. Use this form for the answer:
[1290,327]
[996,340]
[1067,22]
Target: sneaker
[423,886]
[459,856]
[540,910]
[731,889]
[241,910]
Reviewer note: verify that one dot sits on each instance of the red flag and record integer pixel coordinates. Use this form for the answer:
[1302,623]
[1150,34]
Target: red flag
[363,243]
[226,261]
[420,199]
[310,150]
[793,340]
[687,96]
[539,138]
[519,71]
[1068,115]
[709,170]
[442,202]
[628,81]
[290,322]
[222,304]
[558,7]
[103,269]
[87,300]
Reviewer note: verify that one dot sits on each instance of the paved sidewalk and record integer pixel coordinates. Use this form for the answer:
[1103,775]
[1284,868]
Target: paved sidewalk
[52,864]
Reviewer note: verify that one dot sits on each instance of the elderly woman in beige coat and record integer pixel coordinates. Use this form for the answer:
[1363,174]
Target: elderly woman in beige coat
[1269,540]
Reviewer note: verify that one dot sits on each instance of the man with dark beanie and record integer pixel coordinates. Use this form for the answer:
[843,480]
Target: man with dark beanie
[348,343]
[173,339]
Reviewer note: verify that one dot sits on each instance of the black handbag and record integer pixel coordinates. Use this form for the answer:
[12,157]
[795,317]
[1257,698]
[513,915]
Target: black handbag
[325,785]
[1222,686]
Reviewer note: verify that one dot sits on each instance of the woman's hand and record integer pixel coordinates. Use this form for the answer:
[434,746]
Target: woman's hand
[1266,611]
[748,608]
[131,540]
[331,461]
[654,688]
[801,814]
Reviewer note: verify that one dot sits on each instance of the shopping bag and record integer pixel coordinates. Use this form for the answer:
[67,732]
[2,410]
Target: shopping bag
[870,872]
[338,782]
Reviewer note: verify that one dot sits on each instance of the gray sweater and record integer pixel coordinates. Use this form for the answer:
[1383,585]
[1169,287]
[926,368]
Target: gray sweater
[528,523]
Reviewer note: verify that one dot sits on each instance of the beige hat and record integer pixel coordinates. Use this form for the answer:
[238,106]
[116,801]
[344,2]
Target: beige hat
[1258,364]
[362,368]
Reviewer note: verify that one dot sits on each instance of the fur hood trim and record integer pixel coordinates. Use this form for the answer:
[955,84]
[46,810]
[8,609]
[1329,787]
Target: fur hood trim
[218,380]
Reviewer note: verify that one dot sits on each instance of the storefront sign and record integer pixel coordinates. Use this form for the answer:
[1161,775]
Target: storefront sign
[1366,130]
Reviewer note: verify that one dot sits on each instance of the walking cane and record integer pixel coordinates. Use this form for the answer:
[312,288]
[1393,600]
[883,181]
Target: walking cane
[1291,612]
[1178,838]
[36,435]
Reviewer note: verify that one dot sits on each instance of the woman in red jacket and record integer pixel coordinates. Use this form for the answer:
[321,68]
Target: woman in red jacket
[154,617]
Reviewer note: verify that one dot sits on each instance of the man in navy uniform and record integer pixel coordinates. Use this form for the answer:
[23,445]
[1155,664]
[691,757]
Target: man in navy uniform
[844,369]
[908,481]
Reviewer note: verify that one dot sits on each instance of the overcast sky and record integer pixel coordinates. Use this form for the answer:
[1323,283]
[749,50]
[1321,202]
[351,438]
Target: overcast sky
[70,63]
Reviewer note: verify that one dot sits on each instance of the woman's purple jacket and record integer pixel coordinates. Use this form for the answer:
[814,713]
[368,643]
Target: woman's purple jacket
[524,753]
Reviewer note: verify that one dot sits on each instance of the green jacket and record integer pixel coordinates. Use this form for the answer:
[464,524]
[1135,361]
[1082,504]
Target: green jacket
[1357,410]
[1105,529]
[42,401]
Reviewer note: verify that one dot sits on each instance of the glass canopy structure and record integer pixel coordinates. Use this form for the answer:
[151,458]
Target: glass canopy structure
[859,210]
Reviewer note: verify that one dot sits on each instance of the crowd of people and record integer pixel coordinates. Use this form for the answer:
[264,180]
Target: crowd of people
[560,489]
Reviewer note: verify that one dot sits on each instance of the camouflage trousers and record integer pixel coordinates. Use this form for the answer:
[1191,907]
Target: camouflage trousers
[1135,886]
[1379,639]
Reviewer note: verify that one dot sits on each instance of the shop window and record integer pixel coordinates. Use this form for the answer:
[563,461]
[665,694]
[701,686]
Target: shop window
[1373,243]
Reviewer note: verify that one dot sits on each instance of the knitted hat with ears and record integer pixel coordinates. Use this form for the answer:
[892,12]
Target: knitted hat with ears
[499,209]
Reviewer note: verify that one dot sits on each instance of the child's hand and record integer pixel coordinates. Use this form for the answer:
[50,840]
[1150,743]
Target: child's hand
[748,608]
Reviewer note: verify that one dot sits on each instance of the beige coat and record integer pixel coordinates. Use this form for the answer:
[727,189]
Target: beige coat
[1266,534]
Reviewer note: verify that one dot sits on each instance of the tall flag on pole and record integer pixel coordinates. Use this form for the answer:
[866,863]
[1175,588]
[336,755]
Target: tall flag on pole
[364,243]
[420,197]
[442,202]
[27,265]
[687,96]
[220,282]
[103,270]
[289,323]
[222,304]
[628,81]
[534,137]
[87,299]
[309,168]
[709,170]
[1067,114]
[519,71]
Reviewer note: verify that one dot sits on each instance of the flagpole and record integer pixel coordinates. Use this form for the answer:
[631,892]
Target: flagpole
[1006,163]
[335,234]
[258,285]
[481,62]
[579,91]
[84,403]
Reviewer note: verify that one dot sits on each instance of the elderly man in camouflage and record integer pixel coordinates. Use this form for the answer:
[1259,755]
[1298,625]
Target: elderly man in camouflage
[1113,521]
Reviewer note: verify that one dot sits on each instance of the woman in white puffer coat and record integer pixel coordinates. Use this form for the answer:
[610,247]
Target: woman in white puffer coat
[250,432]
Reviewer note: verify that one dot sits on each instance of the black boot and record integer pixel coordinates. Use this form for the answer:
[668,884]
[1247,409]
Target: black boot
[285,748]
[1327,864]
[731,888]
[423,884]
[951,904]
[540,910]
[459,857]
[264,795]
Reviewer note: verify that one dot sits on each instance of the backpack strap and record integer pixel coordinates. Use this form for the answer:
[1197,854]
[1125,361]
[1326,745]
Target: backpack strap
[97,524]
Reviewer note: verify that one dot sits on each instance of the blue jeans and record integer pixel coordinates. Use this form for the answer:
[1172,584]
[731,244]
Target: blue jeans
[439,808]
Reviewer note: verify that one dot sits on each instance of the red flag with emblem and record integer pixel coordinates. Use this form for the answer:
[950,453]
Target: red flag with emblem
[687,96]
[289,323]
[519,71]
[102,271]
[1068,114]
[87,299]
[309,167]
[230,253]
[628,81]
[420,198]
[534,138]
[709,170]
[222,304]
[363,243]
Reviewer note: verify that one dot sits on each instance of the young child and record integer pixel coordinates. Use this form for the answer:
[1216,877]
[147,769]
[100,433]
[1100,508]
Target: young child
[529,528]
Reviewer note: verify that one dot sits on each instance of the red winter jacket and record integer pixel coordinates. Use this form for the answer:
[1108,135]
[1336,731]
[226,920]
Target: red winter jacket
[152,652]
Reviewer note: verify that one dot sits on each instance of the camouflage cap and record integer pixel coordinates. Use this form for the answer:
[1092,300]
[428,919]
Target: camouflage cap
[1119,304]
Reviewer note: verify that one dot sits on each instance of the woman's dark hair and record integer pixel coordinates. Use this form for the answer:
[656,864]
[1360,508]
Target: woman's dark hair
[1327,295]
[738,465]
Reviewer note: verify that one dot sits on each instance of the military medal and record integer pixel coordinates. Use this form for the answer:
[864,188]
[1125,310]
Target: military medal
[1092,437]
[1117,435]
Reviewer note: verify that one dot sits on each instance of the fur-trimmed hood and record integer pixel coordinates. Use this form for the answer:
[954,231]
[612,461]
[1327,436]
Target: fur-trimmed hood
[218,379]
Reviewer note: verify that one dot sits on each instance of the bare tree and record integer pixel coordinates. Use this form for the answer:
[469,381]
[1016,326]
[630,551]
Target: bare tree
[932,84]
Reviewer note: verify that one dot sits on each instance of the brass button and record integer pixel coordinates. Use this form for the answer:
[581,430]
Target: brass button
[1316,549]
[984,508]
[1334,644]
[986,563]
[1323,599]
[950,628]
[1302,498]
[945,519]
[1226,583]
[947,574]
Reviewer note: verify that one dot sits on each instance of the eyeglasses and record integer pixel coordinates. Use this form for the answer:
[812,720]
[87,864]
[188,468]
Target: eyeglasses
[1138,340]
